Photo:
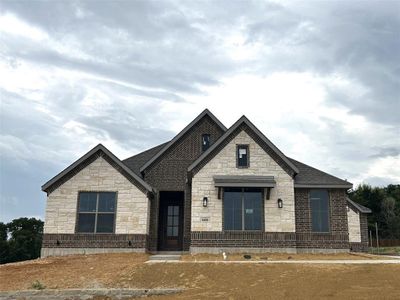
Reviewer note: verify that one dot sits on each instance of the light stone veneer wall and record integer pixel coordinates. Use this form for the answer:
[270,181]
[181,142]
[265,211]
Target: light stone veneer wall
[132,204]
[261,164]
[353,220]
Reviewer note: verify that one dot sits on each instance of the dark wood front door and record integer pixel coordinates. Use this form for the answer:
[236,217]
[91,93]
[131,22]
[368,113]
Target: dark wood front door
[171,221]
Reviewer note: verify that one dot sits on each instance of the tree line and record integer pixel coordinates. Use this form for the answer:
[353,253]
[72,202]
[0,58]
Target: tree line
[20,239]
[385,205]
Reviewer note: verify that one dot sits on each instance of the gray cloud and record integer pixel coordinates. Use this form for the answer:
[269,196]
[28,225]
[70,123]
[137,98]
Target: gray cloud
[111,69]
[359,39]
[385,151]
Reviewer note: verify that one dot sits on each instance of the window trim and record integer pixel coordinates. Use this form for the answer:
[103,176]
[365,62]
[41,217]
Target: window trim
[262,229]
[247,146]
[96,213]
[209,142]
[329,212]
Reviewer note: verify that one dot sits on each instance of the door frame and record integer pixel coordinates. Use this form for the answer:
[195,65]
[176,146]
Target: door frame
[168,198]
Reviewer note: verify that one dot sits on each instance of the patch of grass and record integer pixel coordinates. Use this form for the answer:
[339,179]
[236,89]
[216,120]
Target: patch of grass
[385,250]
[37,285]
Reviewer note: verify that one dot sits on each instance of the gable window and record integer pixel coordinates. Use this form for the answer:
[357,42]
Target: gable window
[96,212]
[242,156]
[319,203]
[205,142]
[242,209]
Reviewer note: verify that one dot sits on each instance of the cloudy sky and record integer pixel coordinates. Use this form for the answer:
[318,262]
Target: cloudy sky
[320,79]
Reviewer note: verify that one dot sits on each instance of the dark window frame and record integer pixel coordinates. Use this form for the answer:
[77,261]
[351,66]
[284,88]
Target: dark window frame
[96,212]
[328,215]
[240,146]
[203,148]
[174,225]
[262,228]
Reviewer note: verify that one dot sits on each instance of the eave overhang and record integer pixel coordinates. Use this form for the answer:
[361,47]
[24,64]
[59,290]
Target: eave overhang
[323,186]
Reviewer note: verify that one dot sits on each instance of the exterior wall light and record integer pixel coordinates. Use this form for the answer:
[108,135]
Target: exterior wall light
[280,203]
[205,202]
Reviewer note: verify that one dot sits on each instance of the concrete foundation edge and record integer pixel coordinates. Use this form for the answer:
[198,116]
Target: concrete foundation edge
[45,252]
[85,293]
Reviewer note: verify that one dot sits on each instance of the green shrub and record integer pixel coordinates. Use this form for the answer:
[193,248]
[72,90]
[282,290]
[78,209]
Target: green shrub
[37,285]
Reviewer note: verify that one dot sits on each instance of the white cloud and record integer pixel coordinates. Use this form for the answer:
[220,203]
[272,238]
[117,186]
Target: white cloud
[10,24]
[387,167]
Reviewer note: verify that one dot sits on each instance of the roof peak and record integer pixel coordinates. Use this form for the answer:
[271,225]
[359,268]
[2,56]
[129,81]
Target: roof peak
[88,155]
[182,132]
[245,120]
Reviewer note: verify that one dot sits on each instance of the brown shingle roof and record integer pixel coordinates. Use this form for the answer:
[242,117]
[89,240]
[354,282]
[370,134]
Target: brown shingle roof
[137,161]
[312,177]
[358,206]
[307,176]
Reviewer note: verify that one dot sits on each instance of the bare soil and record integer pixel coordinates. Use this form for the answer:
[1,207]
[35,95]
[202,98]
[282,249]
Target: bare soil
[73,271]
[205,281]
[281,256]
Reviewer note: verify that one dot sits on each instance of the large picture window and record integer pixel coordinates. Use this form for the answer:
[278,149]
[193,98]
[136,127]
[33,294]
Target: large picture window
[319,202]
[243,209]
[96,212]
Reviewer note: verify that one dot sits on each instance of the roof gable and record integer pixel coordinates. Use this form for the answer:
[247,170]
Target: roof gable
[205,113]
[85,160]
[244,124]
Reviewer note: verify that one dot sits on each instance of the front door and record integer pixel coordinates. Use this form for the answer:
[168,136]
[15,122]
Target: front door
[171,221]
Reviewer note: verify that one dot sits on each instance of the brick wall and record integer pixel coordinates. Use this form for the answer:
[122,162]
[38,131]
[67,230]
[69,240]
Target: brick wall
[338,237]
[94,241]
[228,239]
[169,173]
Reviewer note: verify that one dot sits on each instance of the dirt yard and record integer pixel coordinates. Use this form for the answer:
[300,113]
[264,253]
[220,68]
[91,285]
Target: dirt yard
[281,256]
[205,281]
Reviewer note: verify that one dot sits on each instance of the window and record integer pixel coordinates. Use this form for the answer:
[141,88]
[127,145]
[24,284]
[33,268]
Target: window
[96,212]
[319,202]
[243,209]
[205,142]
[173,220]
[242,156]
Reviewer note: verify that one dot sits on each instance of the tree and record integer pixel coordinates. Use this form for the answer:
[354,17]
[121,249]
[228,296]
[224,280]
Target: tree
[385,206]
[4,249]
[391,218]
[25,239]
